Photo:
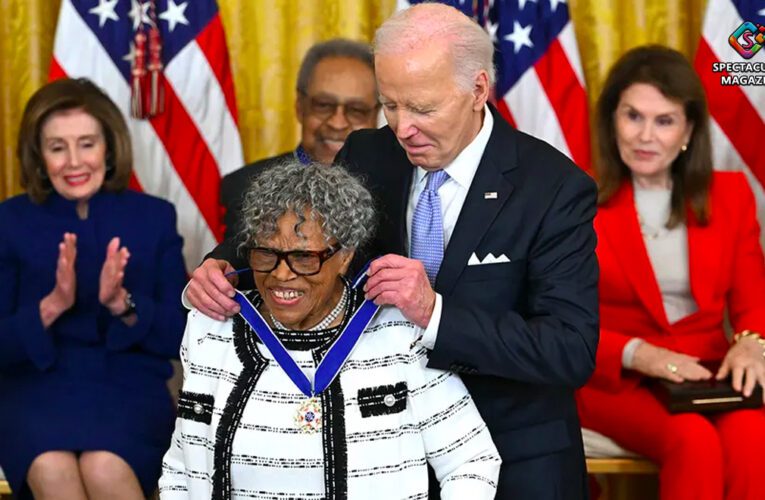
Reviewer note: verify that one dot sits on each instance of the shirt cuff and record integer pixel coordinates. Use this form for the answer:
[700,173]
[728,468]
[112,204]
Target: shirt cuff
[431,332]
[629,351]
[185,299]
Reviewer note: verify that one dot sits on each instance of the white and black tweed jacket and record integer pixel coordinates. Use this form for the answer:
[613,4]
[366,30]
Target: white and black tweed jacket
[385,417]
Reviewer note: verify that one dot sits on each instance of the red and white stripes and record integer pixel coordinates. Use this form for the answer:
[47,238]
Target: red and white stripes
[550,100]
[181,154]
[738,113]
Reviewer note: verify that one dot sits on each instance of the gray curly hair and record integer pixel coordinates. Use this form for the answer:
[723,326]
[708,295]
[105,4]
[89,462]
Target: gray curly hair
[335,198]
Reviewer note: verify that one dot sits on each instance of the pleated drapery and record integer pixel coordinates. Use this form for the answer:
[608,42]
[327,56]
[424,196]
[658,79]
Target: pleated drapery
[267,39]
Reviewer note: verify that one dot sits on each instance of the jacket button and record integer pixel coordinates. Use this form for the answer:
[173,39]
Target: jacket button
[389,400]
[198,408]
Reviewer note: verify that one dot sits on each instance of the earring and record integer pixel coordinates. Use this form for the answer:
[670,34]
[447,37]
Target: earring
[42,173]
[684,148]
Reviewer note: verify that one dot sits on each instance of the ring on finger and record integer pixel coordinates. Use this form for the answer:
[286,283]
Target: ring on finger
[672,367]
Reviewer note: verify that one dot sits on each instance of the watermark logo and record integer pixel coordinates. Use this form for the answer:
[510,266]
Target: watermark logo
[748,39]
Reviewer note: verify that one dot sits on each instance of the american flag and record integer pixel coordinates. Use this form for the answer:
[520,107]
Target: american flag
[182,153]
[540,85]
[738,112]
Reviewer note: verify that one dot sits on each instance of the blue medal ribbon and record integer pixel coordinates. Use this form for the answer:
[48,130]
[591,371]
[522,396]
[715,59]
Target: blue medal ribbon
[333,361]
[302,155]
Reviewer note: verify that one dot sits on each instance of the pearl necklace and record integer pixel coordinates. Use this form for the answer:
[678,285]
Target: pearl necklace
[328,319]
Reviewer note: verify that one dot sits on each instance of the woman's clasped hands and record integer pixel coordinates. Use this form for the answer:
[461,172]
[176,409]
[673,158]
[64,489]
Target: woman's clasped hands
[744,363]
[111,293]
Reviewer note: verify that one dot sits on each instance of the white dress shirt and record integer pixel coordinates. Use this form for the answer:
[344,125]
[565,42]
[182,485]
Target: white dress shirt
[452,193]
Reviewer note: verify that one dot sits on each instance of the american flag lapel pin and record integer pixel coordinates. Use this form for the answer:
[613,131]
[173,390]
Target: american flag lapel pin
[490,195]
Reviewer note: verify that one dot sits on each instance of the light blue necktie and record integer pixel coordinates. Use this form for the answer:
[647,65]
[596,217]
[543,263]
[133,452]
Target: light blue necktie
[428,226]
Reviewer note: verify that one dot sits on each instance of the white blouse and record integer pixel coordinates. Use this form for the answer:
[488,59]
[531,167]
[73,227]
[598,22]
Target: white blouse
[385,417]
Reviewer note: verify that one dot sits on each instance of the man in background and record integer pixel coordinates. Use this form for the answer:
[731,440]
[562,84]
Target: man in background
[336,94]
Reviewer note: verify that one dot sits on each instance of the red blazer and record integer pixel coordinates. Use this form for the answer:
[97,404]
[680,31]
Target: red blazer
[727,268]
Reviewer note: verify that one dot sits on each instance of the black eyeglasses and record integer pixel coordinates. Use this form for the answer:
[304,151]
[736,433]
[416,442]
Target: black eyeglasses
[323,108]
[301,262]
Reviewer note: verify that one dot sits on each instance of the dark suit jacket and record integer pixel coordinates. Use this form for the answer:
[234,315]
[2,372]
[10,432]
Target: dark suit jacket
[523,334]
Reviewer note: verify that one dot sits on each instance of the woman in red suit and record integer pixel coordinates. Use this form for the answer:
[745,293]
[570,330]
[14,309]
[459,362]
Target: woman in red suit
[678,244]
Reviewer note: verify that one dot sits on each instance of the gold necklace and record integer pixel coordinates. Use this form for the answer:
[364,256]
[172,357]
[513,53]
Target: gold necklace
[648,232]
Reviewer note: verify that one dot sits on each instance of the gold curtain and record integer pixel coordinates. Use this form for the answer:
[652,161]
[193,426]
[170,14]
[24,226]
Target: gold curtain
[267,39]
[607,28]
[26,44]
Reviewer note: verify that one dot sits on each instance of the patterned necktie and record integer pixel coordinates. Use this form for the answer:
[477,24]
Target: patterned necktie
[428,226]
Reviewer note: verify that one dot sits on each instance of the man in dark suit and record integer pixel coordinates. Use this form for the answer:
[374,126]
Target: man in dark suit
[501,273]
[336,94]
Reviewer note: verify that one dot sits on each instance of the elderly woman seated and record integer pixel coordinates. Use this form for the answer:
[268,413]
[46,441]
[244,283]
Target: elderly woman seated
[312,392]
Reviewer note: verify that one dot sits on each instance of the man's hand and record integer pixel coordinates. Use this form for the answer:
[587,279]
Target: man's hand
[745,362]
[211,292]
[658,362]
[401,282]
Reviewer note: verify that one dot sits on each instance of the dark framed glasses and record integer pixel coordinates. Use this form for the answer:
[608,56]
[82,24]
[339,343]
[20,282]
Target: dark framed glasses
[301,262]
[355,112]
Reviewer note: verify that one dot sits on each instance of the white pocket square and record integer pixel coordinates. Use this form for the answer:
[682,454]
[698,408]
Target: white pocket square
[489,259]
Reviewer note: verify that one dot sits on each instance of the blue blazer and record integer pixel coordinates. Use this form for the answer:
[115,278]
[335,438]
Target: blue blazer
[155,276]
[88,381]
[522,334]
